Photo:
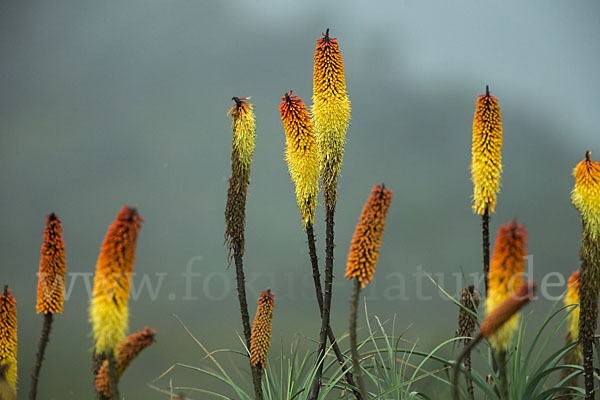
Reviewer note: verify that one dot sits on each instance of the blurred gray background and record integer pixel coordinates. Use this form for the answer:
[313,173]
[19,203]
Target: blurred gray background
[124,102]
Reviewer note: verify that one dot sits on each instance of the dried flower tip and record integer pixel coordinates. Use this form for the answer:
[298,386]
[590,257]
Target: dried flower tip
[8,337]
[243,129]
[486,163]
[466,323]
[261,329]
[364,249]
[301,154]
[507,309]
[108,309]
[53,269]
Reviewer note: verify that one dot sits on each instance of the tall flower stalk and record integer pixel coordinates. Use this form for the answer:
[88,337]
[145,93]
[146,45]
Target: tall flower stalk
[486,166]
[243,131]
[362,259]
[469,299]
[331,117]
[303,164]
[586,198]
[109,313]
[8,342]
[506,275]
[574,356]
[50,290]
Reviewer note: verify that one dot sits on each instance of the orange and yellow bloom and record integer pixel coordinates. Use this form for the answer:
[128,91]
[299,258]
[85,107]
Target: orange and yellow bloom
[8,337]
[364,249]
[586,194]
[53,269]
[108,310]
[331,111]
[506,275]
[131,347]
[261,329]
[301,154]
[486,163]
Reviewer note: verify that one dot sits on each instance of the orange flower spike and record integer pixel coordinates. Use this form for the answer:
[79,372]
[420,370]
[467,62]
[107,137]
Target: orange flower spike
[131,347]
[364,249]
[486,163]
[261,329]
[507,310]
[506,273]
[108,310]
[586,194]
[301,154]
[53,269]
[8,337]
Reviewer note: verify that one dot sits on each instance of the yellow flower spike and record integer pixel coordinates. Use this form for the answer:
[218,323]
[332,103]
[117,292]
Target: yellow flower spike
[586,194]
[486,163]
[301,154]
[331,112]
[8,338]
[243,127]
[506,274]
[108,309]
[53,269]
[261,329]
[364,249]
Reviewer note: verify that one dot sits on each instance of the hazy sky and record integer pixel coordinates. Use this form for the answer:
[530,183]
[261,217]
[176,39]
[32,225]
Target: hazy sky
[124,102]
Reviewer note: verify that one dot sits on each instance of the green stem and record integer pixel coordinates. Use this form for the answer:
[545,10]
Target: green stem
[112,374]
[353,336]
[466,350]
[502,375]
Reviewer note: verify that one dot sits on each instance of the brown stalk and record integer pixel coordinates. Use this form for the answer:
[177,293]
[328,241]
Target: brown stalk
[329,245]
[319,293]
[39,358]
[485,233]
